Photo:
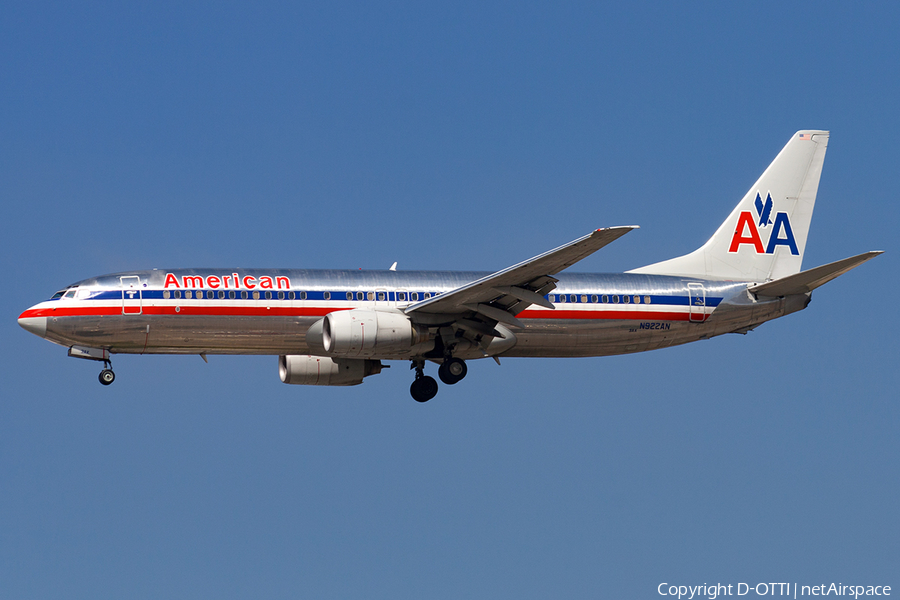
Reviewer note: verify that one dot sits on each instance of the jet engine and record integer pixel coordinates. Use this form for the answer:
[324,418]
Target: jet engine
[370,333]
[323,370]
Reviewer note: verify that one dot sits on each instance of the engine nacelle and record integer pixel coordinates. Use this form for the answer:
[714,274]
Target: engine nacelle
[323,370]
[360,332]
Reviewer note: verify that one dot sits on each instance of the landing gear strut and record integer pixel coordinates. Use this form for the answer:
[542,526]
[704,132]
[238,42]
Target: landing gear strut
[106,375]
[423,388]
[452,370]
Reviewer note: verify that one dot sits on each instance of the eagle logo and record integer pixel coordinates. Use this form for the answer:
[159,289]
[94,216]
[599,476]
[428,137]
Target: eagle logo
[764,211]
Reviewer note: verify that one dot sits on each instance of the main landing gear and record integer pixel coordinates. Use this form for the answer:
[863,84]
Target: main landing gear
[106,375]
[424,388]
[452,370]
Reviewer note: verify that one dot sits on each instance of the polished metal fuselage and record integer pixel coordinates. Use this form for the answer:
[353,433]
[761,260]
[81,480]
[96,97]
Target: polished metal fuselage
[595,314]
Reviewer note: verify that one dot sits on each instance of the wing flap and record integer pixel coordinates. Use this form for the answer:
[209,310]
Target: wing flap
[525,295]
[807,281]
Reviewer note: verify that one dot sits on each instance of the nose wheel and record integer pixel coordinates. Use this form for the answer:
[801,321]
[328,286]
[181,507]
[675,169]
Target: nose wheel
[423,387]
[106,375]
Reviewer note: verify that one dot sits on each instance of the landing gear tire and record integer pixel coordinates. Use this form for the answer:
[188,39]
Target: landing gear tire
[107,376]
[423,389]
[452,370]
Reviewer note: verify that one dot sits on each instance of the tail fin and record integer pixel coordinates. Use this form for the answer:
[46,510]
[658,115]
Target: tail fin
[764,236]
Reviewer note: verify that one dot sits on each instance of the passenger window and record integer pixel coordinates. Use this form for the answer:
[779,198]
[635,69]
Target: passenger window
[165,294]
[646,299]
[637,299]
[381,296]
[594,298]
[605,299]
[583,298]
[244,294]
[256,295]
[178,294]
[370,295]
[626,299]
[281,295]
[327,295]
[427,295]
[210,294]
[221,294]
[615,299]
[291,295]
[303,295]
[414,296]
[349,295]
[401,296]
[573,298]
[562,297]
[268,295]
[232,295]
[188,294]
[551,297]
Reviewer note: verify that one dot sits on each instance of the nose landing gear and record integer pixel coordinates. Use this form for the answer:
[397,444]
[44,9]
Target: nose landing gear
[99,354]
[106,375]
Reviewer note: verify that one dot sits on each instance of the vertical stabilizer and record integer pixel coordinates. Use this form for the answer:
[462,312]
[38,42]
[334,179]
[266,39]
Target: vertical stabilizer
[764,236]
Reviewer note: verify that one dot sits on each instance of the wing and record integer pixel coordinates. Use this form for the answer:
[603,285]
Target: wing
[479,305]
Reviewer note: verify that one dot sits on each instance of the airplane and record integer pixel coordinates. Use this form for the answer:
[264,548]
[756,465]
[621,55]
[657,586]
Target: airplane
[335,327]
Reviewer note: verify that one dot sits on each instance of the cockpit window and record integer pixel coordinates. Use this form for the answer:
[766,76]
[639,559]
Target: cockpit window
[58,295]
[70,294]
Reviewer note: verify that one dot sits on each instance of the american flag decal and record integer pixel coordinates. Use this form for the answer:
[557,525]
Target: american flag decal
[805,136]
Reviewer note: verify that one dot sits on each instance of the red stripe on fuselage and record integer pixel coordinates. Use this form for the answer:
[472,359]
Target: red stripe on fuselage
[628,315]
[218,311]
[262,311]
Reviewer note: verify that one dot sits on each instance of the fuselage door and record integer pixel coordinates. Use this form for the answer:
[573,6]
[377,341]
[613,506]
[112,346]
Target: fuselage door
[131,295]
[697,300]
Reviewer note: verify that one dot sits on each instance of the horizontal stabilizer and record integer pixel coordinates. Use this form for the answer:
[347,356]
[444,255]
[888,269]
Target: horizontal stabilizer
[807,281]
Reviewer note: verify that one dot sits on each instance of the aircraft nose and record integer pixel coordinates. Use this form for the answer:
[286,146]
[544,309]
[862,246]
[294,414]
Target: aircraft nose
[36,325]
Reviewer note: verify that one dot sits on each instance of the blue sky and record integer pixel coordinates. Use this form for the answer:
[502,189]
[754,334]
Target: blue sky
[469,136]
